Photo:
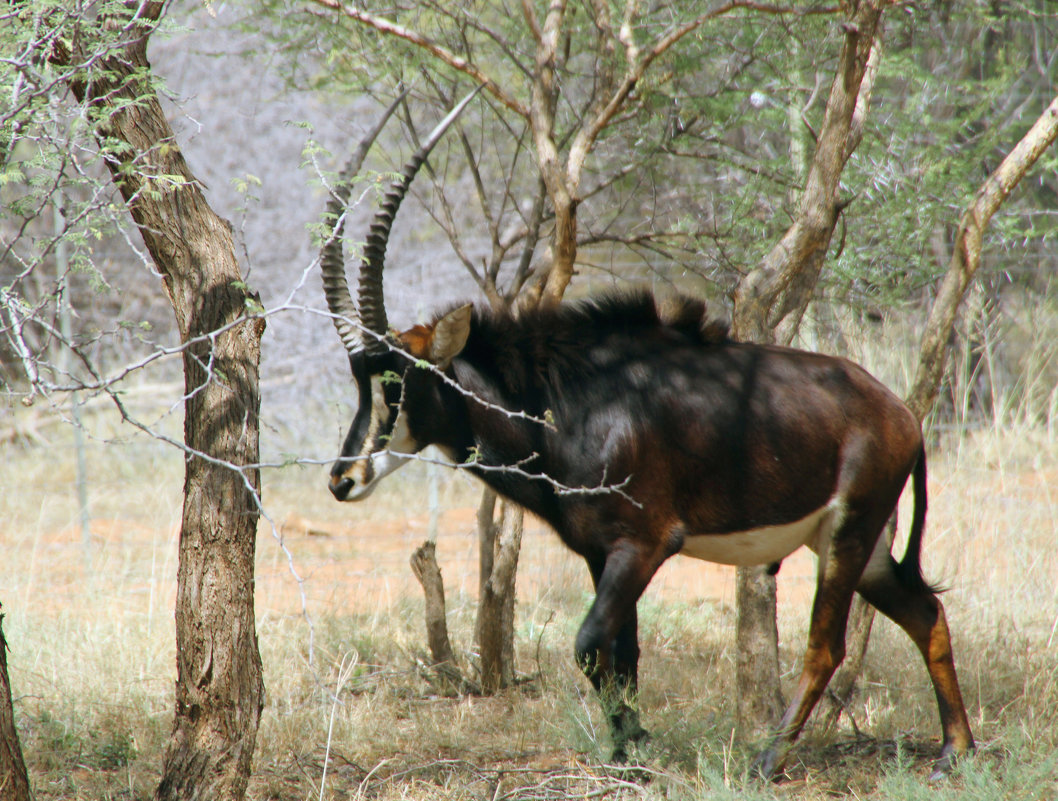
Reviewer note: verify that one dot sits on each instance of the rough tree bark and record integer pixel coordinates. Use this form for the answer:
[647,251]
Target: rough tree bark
[219,687]
[494,632]
[769,304]
[963,264]
[14,781]
[424,566]
[758,700]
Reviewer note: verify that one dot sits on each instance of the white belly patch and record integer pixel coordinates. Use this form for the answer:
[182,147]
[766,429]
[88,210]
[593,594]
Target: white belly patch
[763,545]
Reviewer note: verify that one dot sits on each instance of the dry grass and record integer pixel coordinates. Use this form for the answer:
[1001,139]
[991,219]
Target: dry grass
[339,619]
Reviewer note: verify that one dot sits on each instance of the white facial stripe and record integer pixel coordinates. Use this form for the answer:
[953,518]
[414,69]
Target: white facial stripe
[398,450]
[374,465]
[359,471]
[379,408]
[379,415]
[400,438]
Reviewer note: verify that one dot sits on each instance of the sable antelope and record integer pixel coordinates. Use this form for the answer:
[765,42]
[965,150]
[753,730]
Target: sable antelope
[726,451]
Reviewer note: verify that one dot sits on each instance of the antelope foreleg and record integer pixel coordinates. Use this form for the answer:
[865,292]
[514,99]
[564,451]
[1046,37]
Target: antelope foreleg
[607,645]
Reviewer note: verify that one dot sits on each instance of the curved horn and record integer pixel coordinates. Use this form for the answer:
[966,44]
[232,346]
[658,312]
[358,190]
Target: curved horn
[332,256]
[369,291]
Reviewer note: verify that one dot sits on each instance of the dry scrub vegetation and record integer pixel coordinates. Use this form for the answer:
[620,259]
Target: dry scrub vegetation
[353,711]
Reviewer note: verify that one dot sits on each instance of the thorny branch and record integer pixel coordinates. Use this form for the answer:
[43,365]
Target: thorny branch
[602,488]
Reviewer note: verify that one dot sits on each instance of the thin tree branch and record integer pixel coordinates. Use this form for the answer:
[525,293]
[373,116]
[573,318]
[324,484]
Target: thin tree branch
[383,25]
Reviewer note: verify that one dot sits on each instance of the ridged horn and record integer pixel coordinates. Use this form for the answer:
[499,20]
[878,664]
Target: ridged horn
[369,289]
[332,255]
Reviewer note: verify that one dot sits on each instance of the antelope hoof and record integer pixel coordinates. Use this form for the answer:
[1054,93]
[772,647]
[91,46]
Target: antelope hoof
[768,765]
[942,768]
[946,762]
[620,751]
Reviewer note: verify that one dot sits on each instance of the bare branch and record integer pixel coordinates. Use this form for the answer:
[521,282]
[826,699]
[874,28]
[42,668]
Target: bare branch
[532,21]
[533,226]
[518,469]
[504,45]
[383,25]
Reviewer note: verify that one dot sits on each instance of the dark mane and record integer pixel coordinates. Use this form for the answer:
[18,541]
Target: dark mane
[628,311]
[550,346]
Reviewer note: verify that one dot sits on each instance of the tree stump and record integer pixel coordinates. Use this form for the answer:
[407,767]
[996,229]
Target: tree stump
[424,566]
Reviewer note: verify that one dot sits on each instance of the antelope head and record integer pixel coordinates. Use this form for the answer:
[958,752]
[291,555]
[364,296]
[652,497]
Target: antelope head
[380,439]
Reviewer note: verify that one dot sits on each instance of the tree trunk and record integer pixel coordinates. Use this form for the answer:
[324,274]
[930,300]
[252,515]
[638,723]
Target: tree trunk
[758,695]
[424,566]
[501,540]
[14,781]
[488,531]
[771,299]
[769,304]
[495,625]
[219,688]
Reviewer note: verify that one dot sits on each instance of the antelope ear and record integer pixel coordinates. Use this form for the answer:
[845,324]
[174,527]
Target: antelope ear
[450,336]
